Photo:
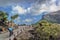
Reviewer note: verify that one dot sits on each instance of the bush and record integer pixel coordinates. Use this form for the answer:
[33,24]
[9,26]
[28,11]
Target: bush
[47,31]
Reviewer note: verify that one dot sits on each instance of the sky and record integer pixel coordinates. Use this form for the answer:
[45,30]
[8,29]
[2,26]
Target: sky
[29,11]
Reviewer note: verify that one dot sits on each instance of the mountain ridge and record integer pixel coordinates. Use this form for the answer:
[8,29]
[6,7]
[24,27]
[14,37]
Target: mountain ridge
[53,17]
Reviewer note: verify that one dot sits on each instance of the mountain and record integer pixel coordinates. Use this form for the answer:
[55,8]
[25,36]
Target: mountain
[52,17]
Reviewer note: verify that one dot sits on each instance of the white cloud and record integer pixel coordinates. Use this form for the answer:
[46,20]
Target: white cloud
[28,9]
[50,6]
[18,9]
[28,20]
[54,8]
[37,9]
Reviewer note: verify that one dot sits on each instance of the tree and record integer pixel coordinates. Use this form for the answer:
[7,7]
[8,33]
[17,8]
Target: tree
[13,18]
[3,18]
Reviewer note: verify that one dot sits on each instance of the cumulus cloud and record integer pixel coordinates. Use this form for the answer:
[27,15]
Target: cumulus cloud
[53,6]
[18,9]
[48,6]
[38,8]
[28,20]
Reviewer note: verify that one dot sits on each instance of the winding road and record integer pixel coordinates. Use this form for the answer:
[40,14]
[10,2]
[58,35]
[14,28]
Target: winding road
[5,36]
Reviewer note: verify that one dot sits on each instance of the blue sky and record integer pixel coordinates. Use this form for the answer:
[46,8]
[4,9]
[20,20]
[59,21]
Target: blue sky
[30,11]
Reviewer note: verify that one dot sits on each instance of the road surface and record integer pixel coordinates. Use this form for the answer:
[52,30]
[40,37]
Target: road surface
[5,36]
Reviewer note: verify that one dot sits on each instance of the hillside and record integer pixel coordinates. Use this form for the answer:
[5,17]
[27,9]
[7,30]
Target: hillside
[53,17]
[45,30]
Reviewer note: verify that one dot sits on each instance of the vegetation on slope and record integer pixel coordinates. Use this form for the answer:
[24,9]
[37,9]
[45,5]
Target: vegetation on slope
[45,31]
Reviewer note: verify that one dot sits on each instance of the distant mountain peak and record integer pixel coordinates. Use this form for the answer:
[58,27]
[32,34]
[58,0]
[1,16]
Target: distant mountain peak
[53,17]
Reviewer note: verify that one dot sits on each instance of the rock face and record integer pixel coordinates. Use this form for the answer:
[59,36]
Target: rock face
[53,17]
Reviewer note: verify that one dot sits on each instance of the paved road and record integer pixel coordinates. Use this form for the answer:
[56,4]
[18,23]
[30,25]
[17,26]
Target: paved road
[5,36]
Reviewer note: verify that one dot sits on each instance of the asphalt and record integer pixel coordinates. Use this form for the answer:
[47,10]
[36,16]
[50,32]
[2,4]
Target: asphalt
[5,36]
